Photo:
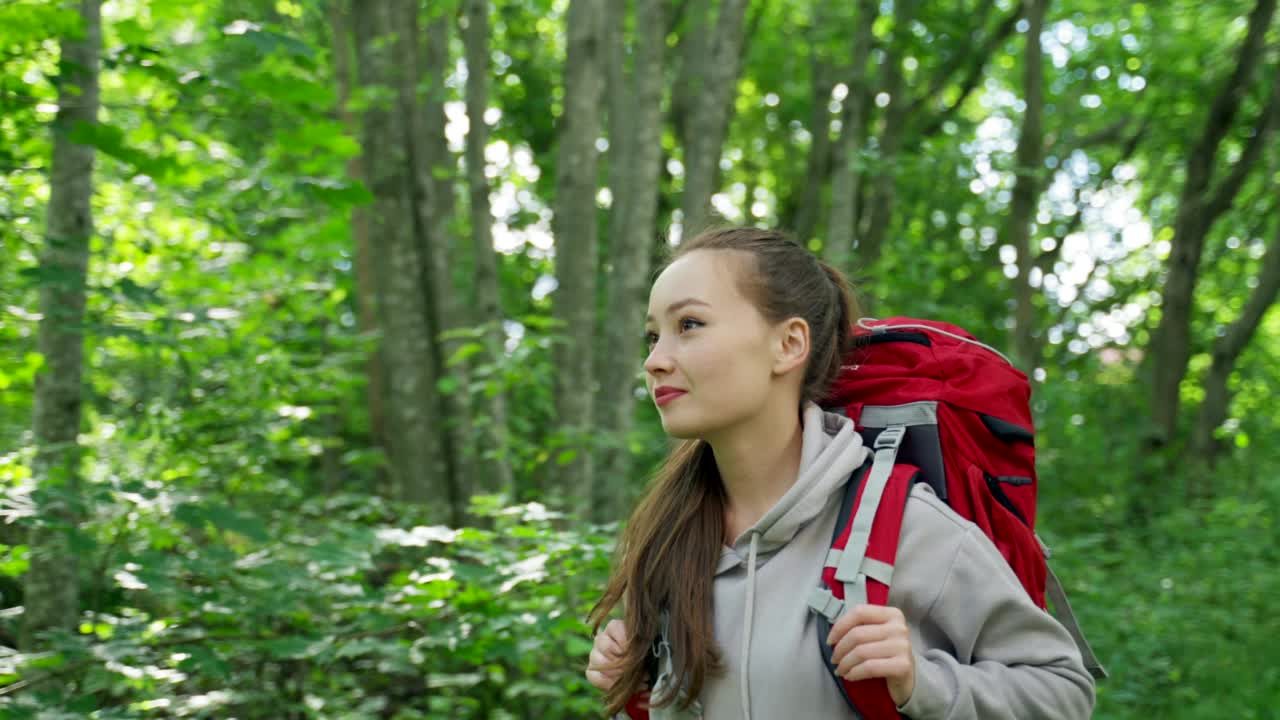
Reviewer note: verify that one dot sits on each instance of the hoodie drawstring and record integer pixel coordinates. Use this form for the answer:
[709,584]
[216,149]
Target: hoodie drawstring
[746,627]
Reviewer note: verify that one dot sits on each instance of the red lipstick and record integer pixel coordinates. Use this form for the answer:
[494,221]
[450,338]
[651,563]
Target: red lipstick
[664,394]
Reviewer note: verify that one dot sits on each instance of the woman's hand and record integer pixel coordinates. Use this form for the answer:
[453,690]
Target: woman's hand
[871,641]
[610,645]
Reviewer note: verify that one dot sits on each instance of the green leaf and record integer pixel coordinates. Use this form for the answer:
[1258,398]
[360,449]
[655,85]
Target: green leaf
[269,41]
[578,645]
[447,385]
[466,351]
[110,140]
[222,517]
[292,648]
[14,561]
[337,194]
[455,680]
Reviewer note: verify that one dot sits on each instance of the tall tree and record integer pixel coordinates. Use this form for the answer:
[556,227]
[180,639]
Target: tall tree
[418,466]
[708,85]
[493,428]
[1227,350]
[432,169]
[366,303]
[52,583]
[842,226]
[1026,186]
[882,187]
[1199,205]
[574,225]
[805,206]
[635,149]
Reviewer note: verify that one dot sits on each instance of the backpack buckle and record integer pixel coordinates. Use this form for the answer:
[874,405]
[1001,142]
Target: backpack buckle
[890,438]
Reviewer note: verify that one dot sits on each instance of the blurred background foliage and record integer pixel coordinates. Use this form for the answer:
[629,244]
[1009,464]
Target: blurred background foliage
[358,360]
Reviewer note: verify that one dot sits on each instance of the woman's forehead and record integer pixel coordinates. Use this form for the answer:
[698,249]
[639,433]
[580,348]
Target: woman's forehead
[706,274]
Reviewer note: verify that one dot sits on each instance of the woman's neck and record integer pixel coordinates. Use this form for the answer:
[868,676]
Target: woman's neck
[758,463]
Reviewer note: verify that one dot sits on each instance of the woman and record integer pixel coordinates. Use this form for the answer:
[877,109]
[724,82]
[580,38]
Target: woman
[746,331]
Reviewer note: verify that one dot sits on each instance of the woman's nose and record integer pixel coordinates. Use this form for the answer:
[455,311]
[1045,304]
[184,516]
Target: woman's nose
[658,360]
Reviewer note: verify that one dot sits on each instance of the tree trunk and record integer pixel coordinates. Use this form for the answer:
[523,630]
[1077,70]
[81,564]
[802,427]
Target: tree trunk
[432,169]
[1171,346]
[842,227]
[875,221]
[493,428]
[1217,398]
[366,305]
[639,100]
[694,41]
[618,93]
[712,85]
[52,583]
[808,206]
[418,466]
[574,225]
[1026,187]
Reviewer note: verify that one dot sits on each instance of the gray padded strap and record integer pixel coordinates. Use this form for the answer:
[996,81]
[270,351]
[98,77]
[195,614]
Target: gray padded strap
[833,558]
[871,567]
[1062,611]
[855,593]
[877,570]
[923,412]
[855,550]
[825,604]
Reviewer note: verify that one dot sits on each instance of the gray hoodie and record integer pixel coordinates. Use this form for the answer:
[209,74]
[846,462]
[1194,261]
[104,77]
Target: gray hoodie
[982,648]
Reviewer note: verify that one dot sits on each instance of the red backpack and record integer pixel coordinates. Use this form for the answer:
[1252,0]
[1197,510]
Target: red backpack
[939,407]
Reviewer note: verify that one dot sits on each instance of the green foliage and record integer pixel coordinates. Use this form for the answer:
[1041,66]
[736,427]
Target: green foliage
[346,609]
[238,555]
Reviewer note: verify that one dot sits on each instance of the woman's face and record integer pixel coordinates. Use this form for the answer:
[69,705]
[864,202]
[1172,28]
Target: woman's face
[711,353]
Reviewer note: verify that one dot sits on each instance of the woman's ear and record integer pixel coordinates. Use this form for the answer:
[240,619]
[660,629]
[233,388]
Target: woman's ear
[791,345]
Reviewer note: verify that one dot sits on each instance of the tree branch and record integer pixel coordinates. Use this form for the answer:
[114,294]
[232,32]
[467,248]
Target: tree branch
[1260,300]
[973,75]
[1106,135]
[1226,191]
[1227,102]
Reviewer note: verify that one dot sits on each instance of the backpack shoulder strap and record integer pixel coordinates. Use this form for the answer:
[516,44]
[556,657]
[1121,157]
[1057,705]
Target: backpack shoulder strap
[1064,614]
[859,566]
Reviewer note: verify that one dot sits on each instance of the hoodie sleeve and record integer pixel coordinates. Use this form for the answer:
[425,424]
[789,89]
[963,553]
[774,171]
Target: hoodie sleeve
[996,654]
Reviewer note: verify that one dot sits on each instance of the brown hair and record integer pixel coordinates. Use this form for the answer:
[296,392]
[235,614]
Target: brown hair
[668,552]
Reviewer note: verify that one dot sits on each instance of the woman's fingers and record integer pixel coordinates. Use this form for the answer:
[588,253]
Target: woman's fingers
[601,670]
[608,649]
[601,680]
[606,644]
[616,630]
[856,636]
[872,641]
[883,658]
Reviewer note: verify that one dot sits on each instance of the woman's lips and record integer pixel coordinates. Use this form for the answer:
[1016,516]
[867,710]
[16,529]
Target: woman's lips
[665,395]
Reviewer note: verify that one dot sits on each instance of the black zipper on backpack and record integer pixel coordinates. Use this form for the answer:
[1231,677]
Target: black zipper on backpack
[876,338]
[997,492]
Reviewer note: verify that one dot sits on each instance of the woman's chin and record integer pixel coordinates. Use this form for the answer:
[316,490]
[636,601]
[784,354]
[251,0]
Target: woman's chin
[680,430]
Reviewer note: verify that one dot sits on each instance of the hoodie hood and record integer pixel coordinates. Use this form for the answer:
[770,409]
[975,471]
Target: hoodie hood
[831,449]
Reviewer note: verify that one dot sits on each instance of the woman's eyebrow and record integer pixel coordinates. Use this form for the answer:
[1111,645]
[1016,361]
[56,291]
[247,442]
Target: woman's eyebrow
[679,304]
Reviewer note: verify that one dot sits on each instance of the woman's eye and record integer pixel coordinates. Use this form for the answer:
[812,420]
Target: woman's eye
[689,324]
[650,339]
